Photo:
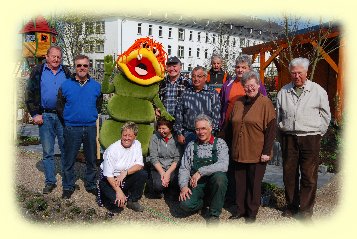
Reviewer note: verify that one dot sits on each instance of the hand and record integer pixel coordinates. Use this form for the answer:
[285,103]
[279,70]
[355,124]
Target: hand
[38,119]
[264,158]
[185,194]
[165,179]
[109,64]
[119,180]
[194,179]
[181,139]
[157,112]
[120,199]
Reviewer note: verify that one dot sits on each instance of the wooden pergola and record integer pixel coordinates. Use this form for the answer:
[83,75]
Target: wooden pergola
[328,73]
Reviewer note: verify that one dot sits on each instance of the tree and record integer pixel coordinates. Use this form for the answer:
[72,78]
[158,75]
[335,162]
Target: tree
[314,40]
[77,33]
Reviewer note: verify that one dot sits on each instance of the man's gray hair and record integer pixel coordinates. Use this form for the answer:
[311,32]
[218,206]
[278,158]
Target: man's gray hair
[203,117]
[199,68]
[300,61]
[250,75]
[215,55]
[244,59]
[130,125]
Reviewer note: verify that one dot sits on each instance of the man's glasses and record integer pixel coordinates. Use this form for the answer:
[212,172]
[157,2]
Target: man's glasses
[198,76]
[247,87]
[80,65]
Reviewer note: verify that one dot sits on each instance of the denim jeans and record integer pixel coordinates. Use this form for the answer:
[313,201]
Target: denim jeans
[73,138]
[48,131]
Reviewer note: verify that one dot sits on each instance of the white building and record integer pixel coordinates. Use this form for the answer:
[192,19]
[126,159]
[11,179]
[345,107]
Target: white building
[193,41]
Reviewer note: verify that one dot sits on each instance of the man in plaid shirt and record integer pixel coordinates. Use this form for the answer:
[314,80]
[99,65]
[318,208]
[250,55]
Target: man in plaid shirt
[171,88]
[195,100]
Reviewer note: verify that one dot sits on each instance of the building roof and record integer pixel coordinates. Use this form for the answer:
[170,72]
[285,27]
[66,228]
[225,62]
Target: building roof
[40,25]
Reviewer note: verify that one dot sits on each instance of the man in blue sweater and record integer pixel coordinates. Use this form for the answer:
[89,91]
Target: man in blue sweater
[79,101]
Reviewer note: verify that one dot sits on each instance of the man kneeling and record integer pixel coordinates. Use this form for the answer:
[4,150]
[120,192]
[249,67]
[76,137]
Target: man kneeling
[122,177]
[202,174]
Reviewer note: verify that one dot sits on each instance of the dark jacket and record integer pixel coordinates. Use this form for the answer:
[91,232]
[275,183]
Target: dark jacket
[33,91]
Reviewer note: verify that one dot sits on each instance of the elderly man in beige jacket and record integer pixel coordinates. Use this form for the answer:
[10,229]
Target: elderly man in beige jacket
[303,116]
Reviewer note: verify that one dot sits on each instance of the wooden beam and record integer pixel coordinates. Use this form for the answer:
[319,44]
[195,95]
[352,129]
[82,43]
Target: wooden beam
[339,104]
[254,57]
[272,57]
[326,56]
[261,68]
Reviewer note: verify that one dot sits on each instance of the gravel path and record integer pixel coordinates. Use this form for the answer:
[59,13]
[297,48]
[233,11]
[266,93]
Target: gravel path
[29,174]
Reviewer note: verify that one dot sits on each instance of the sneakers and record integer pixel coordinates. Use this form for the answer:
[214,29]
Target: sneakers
[213,220]
[48,188]
[135,206]
[67,194]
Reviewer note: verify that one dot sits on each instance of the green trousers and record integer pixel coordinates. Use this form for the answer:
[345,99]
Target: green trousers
[211,188]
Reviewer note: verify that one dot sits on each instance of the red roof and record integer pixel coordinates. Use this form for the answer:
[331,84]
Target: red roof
[41,26]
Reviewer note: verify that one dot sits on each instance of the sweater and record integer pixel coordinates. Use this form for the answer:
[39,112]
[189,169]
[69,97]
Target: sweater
[162,152]
[79,105]
[203,151]
[249,124]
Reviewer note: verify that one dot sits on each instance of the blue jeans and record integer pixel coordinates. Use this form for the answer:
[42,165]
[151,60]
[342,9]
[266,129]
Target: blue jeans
[48,131]
[73,138]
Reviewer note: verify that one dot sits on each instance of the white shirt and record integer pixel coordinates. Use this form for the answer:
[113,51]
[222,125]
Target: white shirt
[118,159]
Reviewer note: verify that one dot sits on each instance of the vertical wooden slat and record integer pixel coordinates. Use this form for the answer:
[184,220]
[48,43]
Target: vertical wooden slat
[262,63]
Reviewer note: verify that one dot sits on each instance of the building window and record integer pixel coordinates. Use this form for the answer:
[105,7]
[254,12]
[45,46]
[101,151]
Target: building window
[99,47]
[169,50]
[189,52]
[99,64]
[189,68]
[242,42]
[139,28]
[206,53]
[89,28]
[190,38]
[150,30]
[198,52]
[214,39]
[100,27]
[234,42]
[160,31]
[181,34]
[180,52]
[199,36]
[207,37]
[170,32]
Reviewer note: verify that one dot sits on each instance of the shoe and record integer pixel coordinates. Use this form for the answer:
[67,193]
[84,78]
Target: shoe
[48,188]
[212,220]
[135,206]
[67,194]
[288,213]
[93,191]
[250,220]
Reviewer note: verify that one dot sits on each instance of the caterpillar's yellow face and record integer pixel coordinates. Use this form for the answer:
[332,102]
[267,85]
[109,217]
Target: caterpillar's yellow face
[144,62]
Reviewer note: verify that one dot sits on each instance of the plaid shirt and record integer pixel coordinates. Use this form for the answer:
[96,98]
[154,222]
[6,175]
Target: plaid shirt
[193,103]
[171,93]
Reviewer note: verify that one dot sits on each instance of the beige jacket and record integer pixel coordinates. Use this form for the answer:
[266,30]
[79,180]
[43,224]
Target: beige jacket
[308,114]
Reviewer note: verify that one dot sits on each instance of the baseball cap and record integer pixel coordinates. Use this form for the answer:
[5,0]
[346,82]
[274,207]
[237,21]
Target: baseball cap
[173,60]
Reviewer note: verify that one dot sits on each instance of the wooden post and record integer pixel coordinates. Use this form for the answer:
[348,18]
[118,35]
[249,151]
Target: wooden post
[97,139]
[262,64]
[339,88]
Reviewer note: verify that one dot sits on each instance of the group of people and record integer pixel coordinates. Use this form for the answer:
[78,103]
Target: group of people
[214,153]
